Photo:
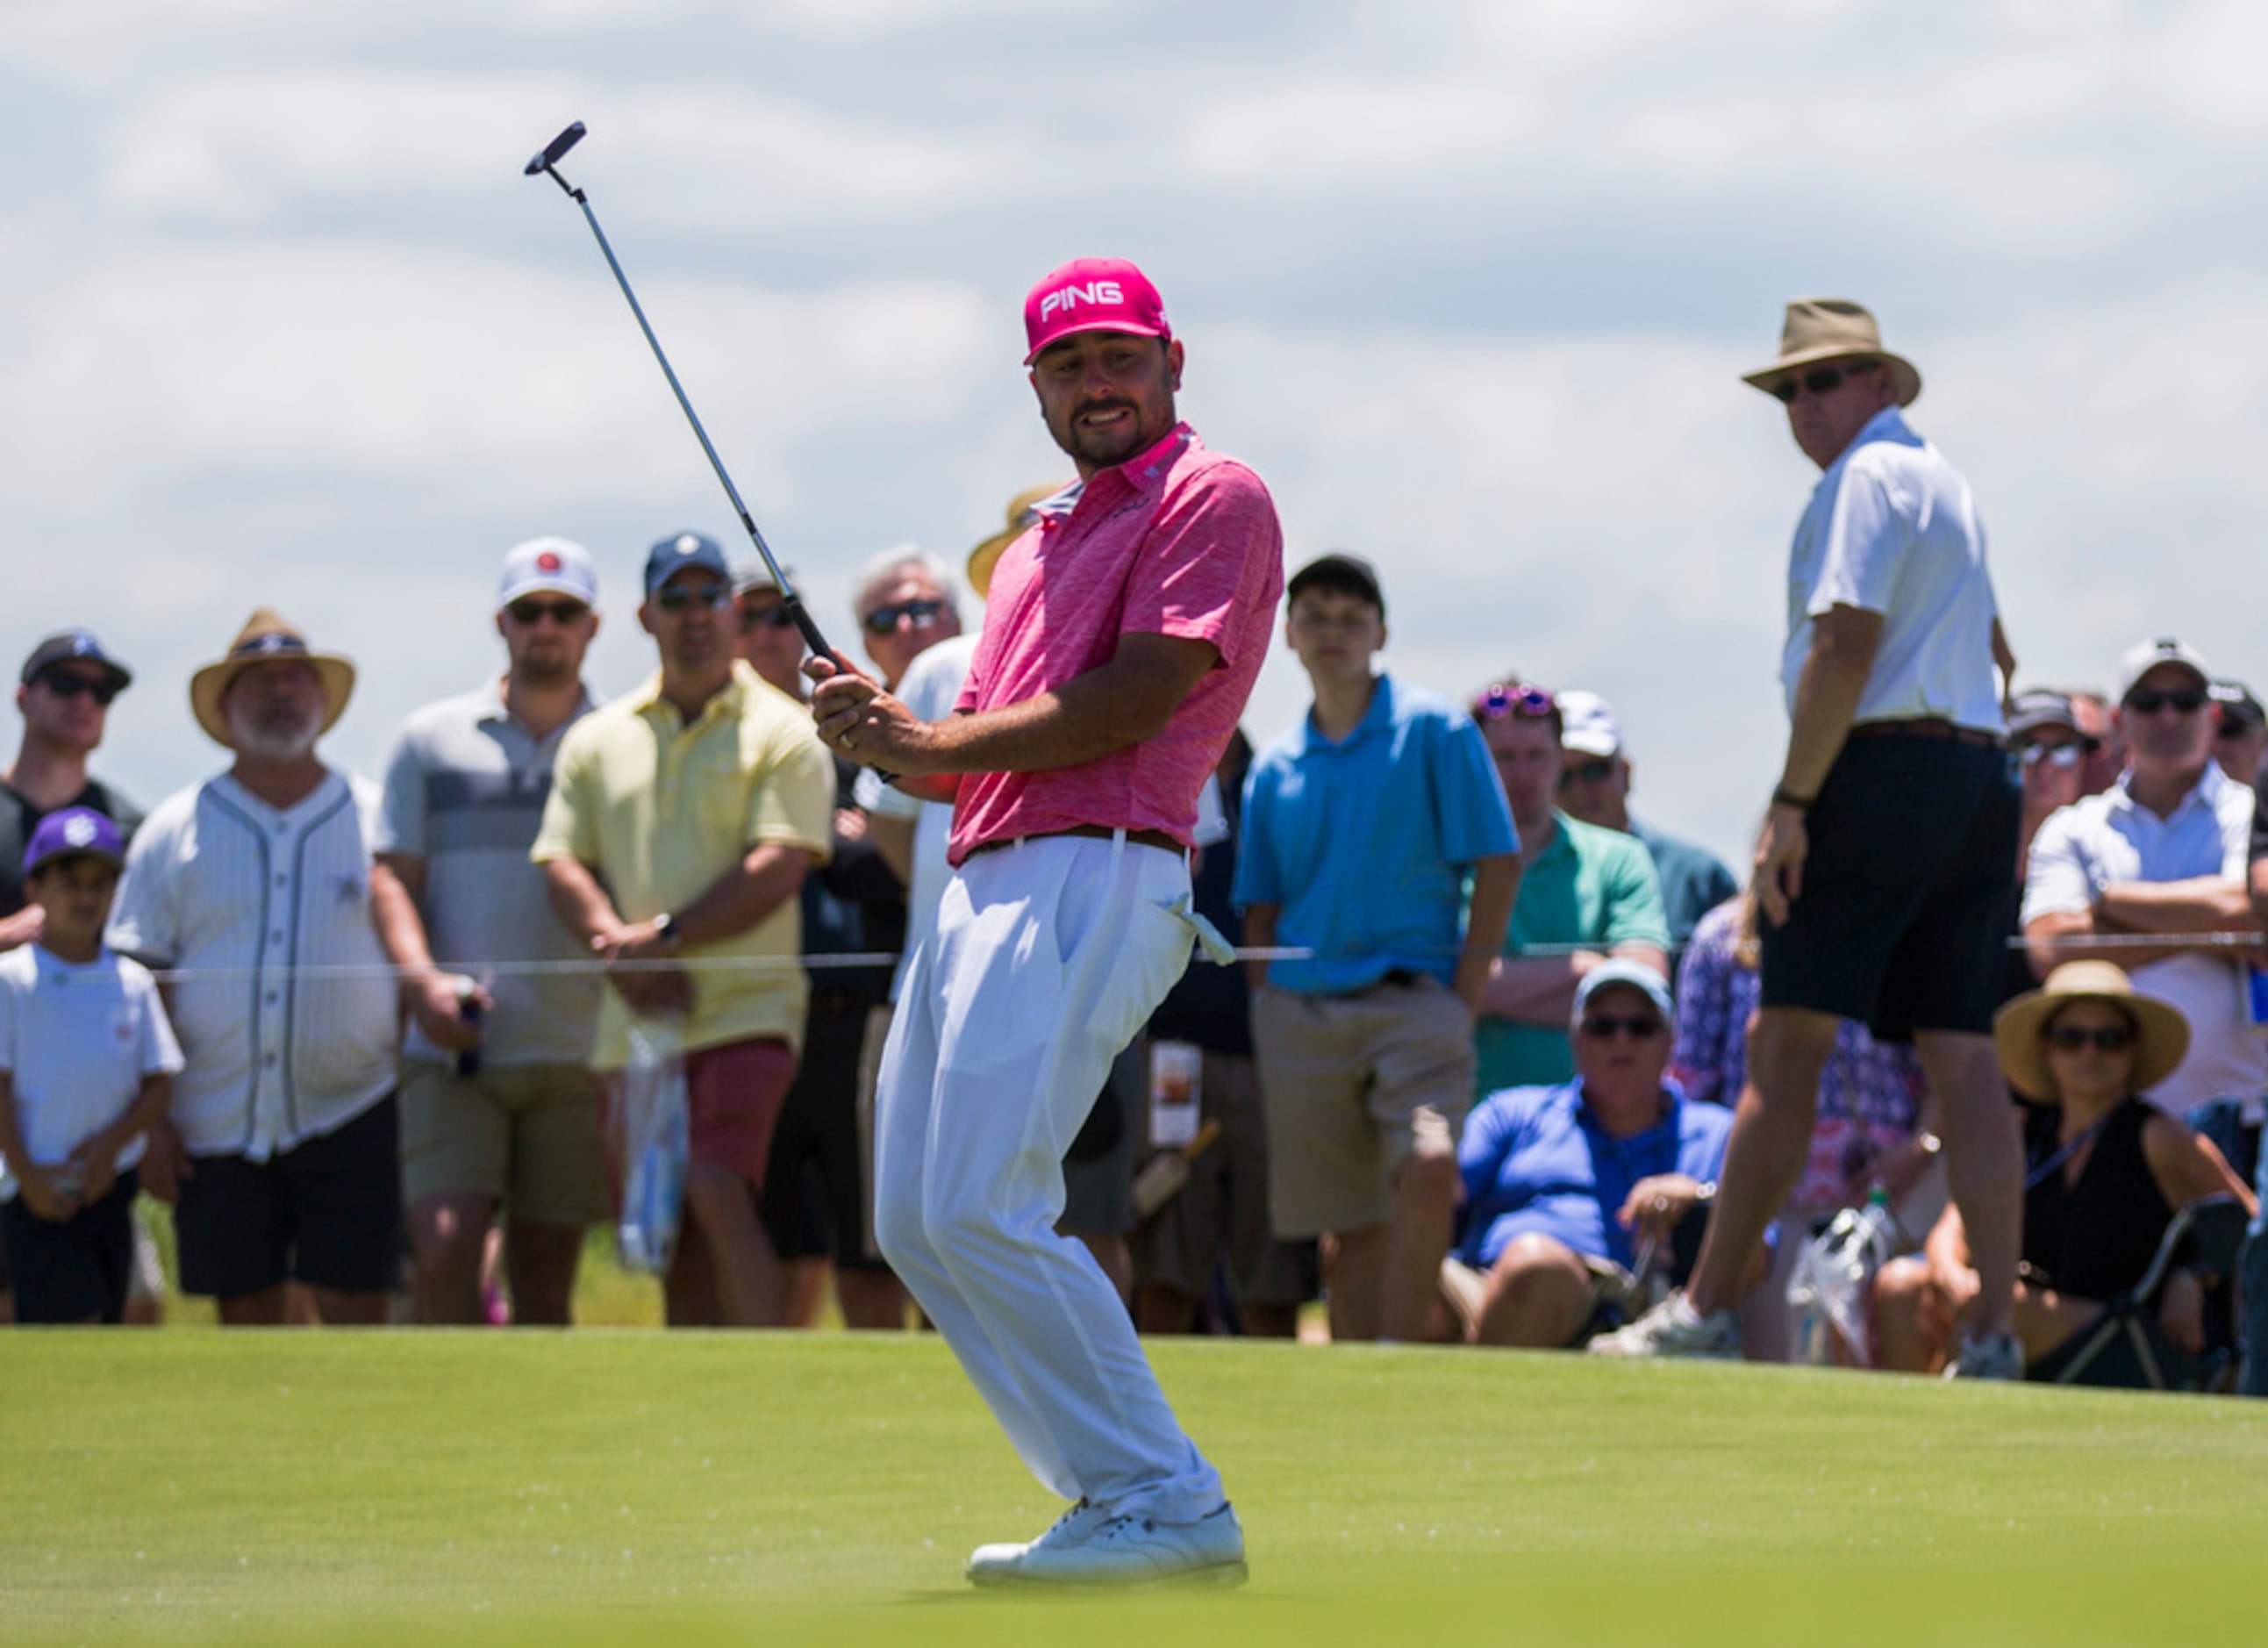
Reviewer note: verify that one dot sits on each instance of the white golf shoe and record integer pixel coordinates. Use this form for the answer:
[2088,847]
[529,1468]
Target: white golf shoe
[1090,1547]
[1998,1356]
[1673,1328]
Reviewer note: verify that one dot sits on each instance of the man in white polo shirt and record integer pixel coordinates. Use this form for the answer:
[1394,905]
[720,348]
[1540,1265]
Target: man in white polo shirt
[499,1109]
[280,1152]
[2161,851]
[1886,872]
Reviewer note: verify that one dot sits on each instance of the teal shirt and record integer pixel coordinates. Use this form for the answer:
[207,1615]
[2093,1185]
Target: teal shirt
[1592,887]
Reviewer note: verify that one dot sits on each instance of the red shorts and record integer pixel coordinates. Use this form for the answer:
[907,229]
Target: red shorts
[734,1094]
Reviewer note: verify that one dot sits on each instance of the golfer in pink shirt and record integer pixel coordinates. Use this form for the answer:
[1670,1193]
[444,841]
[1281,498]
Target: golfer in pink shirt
[1121,637]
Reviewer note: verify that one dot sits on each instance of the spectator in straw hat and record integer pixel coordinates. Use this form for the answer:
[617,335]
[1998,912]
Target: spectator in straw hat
[2104,1173]
[281,1151]
[2162,852]
[1886,868]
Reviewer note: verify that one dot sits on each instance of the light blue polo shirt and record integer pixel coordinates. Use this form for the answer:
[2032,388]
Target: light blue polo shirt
[1364,843]
[1536,1160]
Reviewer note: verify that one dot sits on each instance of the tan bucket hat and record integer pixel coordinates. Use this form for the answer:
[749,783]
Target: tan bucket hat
[2162,1035]
[1819,329]
[265,638]
[1022,515]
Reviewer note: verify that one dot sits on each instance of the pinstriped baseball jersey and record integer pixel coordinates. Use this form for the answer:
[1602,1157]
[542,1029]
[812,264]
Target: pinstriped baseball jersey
[217,878]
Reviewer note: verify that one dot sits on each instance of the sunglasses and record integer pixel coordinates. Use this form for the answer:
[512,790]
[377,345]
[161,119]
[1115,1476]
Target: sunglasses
[71,686]
[529,614]
[1638,1026]
[884,620]
[2104,1038]
[708,598]
[1504,701]
[778,618]
[2054,755]
[1819,380]
[2182,700]
[1588,773]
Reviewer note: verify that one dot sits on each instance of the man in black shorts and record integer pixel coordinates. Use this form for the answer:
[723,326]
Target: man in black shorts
[1887,870]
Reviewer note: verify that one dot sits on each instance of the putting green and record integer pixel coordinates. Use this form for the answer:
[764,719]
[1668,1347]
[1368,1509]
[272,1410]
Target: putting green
[599,1486]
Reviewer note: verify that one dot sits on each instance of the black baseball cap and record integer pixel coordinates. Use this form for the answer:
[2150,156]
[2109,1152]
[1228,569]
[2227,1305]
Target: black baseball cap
[2041,707]
[2240,710]
[75,646]
[1339,570]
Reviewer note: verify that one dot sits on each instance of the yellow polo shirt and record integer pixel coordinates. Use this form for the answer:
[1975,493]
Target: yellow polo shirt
[659,811]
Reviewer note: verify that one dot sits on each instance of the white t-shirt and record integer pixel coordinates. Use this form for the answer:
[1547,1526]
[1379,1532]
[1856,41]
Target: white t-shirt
[2108,838]
[1892,528]
[77,1039]
[289,1018]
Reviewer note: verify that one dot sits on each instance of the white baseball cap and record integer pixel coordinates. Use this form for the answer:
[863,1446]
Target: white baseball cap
[1587,724]
[1637,974]
[548,565]
[2146,655]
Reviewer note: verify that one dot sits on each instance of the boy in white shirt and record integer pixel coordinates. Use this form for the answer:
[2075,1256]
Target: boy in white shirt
[86,1064]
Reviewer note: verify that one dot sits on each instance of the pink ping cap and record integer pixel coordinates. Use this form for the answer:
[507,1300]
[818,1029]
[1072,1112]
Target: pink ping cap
[1093,294]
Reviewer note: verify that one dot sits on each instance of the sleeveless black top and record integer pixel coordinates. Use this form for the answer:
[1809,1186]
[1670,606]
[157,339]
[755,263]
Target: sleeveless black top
[2092,1239]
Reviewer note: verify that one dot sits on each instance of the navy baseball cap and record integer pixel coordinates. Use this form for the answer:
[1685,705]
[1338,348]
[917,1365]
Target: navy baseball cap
[74,832]
[673,555]
[75,646]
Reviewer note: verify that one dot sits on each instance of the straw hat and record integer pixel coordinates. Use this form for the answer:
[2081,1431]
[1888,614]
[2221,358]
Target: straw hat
[1022,515]
[265,638]
[2162,1035]
[1819,329]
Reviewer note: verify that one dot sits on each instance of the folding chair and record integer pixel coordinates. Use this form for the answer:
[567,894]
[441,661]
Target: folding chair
[2126,1347]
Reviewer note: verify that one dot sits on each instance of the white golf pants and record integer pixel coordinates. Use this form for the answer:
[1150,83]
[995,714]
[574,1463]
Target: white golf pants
[1050,955]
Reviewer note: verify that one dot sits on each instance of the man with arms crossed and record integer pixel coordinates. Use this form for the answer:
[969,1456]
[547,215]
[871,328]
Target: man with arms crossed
[498,1107]
[1121,639]
[1887,870]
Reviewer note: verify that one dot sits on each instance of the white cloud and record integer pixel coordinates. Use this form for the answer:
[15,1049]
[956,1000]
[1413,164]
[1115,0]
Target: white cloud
[1323,131]
[361,360]
[251,148]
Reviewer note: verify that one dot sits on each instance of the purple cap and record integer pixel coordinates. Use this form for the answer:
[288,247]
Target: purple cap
[70,832]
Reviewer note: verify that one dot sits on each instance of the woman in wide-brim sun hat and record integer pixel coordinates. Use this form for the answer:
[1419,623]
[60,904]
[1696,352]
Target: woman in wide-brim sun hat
[2104,1171]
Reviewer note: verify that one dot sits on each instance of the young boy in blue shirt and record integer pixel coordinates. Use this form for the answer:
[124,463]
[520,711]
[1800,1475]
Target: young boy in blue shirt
[1362,826]
[86,1062]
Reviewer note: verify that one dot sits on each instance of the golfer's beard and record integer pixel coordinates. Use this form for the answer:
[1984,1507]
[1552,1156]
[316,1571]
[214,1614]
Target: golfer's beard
[285,742]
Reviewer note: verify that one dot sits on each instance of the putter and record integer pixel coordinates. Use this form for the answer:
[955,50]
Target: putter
[543,164]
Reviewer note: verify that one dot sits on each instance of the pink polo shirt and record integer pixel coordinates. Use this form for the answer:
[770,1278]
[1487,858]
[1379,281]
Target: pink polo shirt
[1177,541]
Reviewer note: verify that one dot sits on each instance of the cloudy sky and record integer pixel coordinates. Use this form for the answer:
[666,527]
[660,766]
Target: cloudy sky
[1468,284]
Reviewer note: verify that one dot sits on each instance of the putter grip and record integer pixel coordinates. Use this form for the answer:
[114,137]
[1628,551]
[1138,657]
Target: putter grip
[556,147]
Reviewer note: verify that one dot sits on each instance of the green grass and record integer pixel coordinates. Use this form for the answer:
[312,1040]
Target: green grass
[625,1486]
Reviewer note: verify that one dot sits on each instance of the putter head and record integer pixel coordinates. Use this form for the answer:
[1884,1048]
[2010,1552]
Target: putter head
[553,149]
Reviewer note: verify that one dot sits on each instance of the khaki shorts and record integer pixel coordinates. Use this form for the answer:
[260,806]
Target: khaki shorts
[527,1134]
[1352,1085]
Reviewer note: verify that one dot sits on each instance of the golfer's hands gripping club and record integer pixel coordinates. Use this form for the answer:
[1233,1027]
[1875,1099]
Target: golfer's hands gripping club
[857,718]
